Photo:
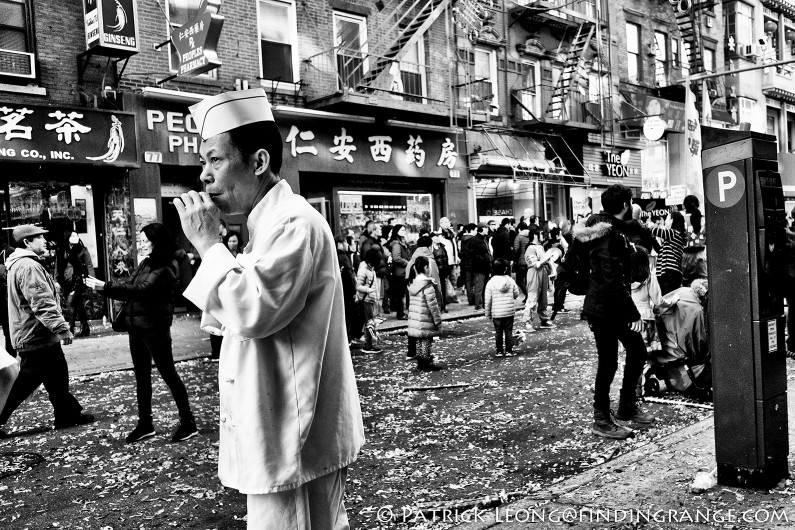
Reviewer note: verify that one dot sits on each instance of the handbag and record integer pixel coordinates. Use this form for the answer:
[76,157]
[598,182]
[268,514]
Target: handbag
[452,297]
[119,322]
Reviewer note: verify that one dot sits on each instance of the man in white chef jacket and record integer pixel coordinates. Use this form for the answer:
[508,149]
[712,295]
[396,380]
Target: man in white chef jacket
[290,416]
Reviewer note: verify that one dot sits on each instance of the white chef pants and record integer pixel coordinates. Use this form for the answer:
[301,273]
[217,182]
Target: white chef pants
[315,505]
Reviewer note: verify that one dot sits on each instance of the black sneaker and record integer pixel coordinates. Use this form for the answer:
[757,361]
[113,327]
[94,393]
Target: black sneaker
[141,432]
[80,419]
[184,431]
[499,354]
[372,350]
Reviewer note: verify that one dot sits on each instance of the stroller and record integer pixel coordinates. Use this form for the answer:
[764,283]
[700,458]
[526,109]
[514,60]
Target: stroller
[683,363]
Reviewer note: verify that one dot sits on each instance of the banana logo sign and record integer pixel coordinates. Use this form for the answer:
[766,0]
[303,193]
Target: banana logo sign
[115,143]
[121,18]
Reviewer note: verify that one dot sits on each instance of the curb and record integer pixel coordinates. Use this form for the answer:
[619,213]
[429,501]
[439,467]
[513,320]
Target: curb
[553,493]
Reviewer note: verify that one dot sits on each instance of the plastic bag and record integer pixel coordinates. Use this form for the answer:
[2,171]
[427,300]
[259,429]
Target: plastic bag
[452,297]
[9,370]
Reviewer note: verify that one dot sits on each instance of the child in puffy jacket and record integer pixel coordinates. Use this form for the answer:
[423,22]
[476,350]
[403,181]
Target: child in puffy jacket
[366,294]
[501,291]
[425,319]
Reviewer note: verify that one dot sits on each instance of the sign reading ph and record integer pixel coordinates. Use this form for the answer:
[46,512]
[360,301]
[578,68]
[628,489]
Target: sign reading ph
[111,27]
[725,186]
[197,40]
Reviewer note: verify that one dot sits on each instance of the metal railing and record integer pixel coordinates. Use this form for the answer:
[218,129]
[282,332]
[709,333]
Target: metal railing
[587,8]
[338,69]
[535,101]
[475,95]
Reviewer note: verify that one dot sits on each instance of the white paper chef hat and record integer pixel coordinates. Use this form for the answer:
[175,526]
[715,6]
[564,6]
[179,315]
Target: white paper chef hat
[227,111]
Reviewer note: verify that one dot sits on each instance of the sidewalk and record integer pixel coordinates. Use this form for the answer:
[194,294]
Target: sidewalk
[105,350]
[652,481]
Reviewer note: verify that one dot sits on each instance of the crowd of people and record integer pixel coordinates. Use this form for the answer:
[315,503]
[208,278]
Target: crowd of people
[646,289]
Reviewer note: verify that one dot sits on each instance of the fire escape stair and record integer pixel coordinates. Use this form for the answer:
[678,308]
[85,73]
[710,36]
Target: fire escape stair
[575,66]
[410,29]
[689,32]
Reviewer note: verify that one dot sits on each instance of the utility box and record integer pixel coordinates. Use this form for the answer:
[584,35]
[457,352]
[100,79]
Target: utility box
[746,235]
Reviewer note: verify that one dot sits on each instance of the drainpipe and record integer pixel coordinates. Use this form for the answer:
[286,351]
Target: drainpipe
[507,101]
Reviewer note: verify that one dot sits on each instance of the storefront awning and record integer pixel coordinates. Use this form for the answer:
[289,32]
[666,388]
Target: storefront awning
[504,154]
[779,94]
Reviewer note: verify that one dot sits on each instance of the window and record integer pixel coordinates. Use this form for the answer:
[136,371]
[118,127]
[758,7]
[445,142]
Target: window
[740,24]
[15,39]
[675,53]
[350,41]
[790,132]
[486,76]
[747,110]
[277,37]
[772,123]
[633,52]
[412,73]
[529,91]
[660,58]
[179,13]
[685,58]
[709,60]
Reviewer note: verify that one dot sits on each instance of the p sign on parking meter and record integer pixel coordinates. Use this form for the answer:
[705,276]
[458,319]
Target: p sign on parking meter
[724,186]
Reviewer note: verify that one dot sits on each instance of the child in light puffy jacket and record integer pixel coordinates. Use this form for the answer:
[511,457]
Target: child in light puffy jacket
[425,319]
[501,291]
[366,294]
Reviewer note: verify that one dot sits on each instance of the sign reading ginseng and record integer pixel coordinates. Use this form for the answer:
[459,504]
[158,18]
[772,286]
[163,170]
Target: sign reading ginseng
[111,27]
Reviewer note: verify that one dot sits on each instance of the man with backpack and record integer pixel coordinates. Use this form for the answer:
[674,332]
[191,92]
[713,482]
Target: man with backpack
[602,246]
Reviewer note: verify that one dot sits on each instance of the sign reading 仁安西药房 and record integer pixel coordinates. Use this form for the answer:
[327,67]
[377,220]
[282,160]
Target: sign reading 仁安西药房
[197,40]
[111,27]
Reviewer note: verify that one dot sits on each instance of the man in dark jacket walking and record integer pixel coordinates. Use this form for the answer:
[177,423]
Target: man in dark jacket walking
[520,244]
[611,313]
[38,329]
[479,259]
[501,242]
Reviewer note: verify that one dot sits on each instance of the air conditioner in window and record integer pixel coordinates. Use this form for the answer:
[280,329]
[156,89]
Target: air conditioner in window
[17,64]
[748,50]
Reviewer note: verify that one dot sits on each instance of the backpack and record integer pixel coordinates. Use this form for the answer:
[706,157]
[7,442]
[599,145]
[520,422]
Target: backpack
[574,269]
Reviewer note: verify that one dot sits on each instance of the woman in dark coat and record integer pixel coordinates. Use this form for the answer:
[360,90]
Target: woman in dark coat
[148,316]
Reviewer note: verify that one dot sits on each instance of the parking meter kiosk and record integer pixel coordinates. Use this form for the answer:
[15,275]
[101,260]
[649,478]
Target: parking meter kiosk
[745,220]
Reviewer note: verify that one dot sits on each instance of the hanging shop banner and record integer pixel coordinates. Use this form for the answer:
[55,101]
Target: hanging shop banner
[29,133]
[111,27]
[654,181]
[639,107]
[197,40]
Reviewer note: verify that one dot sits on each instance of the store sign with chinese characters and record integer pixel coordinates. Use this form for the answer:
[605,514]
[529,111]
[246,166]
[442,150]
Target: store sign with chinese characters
[196,41]
[347,149]
[30,133]
[111,27]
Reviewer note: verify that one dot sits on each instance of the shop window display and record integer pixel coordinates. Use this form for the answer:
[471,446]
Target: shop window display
[60,208]
[413,210]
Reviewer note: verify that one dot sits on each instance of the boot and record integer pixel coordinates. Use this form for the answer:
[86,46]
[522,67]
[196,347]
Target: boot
[604,426]
[84,330]
[428,365]
[628,410]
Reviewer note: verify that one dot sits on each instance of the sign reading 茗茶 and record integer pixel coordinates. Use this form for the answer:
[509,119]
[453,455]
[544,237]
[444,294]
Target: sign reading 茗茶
[30,133]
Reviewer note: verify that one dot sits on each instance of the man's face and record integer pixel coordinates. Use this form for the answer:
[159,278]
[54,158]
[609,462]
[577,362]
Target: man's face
[483,231]
[444,223]
[227,176]
[37,245]
[492,226]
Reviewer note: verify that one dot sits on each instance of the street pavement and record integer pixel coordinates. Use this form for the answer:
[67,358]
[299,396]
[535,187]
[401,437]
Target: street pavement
[648,487]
